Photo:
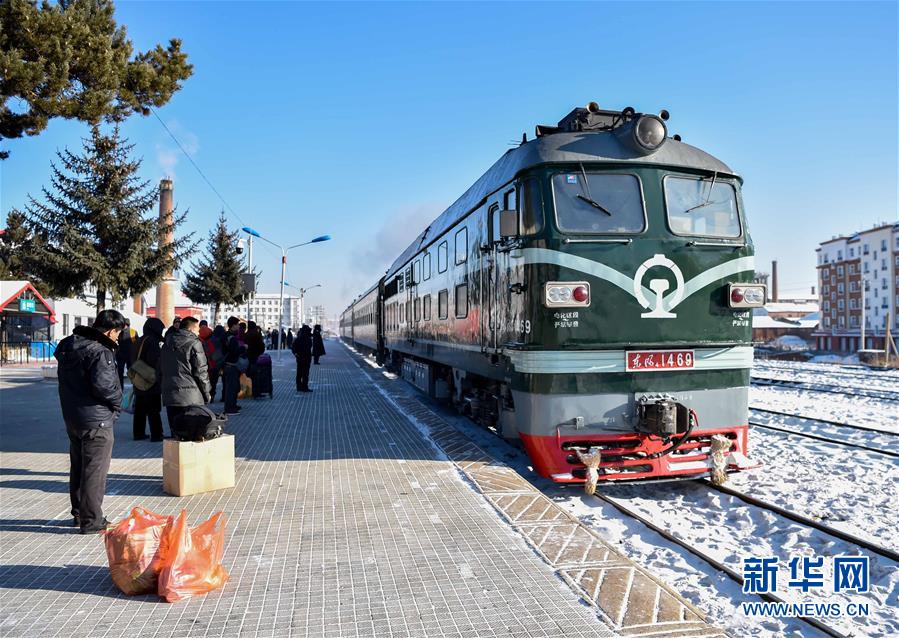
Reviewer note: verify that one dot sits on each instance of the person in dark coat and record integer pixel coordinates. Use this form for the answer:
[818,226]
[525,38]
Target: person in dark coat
[230,372]
[274,339]
[184,371]
[125,352]
[148,403]
[255,347]
[215,345]
[318,344]
[283,338]
[91,397]
[176,323]
[302,350]
[289,338]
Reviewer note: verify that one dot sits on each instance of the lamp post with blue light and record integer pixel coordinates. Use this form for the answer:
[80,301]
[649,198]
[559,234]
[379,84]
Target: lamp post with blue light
[303,292]
[284,252]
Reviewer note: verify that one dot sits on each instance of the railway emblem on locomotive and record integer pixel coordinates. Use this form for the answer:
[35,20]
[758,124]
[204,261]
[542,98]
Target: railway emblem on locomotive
[657,309]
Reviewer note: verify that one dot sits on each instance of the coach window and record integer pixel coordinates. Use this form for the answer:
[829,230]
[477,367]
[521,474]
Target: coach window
[402,313]
[417,309]
[530,207]
[426,308]
[441,257]
[461,301]
[442,310]
[416,272]
[426,266]
[408,277]
[409,311]
[461,245]
[399,283]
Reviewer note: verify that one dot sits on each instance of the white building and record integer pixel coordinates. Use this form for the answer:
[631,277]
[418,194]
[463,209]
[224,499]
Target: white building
[71,312]
[265,310]
[855,272]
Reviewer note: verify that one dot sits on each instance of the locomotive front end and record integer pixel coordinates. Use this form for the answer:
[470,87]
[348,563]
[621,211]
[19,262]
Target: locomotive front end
[637,308]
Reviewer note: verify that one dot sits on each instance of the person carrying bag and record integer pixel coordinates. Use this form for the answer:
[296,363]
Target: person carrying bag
[146,383]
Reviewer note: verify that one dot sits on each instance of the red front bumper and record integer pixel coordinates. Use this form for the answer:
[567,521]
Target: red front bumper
[624,455]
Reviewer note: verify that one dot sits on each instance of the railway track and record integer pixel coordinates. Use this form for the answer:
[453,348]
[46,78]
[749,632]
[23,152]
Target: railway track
[818,437]
[827,421]
[883,395]
[865,375]
[714,562]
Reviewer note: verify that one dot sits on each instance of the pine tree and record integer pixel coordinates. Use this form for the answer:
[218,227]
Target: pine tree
[217,279]
[97,225]
[70,59]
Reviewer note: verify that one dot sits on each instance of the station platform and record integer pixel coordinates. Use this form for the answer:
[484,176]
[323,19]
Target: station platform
[358,511]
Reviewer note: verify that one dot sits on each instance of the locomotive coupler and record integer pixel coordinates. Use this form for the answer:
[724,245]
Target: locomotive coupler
[661,415]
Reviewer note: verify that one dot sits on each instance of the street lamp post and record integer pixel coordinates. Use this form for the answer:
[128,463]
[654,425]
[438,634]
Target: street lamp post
[284,252]
[303,292]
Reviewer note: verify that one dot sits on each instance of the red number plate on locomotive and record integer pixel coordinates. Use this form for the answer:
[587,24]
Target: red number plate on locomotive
[648,360]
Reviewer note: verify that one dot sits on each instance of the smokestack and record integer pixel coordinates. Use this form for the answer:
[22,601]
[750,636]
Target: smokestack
[165,291]
[774,280]
[137,304]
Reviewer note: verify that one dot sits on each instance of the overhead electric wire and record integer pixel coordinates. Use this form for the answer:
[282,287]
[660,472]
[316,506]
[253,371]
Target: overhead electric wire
[198,169]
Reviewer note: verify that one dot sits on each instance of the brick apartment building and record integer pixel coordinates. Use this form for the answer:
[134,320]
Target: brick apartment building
[869,258]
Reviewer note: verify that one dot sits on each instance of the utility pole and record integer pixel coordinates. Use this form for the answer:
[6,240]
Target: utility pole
[281,302]
[862,344]
[249,271]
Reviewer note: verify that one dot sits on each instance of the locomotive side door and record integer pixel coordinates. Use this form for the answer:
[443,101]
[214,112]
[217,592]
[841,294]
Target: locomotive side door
[493,297]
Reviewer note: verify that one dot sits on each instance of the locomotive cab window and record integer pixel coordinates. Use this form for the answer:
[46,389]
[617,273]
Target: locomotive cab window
[598,203]
[530,213]
[702,207]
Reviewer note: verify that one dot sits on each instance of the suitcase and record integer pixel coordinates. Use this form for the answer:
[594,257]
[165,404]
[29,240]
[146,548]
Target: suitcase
[262,381]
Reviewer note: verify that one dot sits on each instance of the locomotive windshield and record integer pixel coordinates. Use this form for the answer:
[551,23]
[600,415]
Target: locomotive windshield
[702,207]
[598,202]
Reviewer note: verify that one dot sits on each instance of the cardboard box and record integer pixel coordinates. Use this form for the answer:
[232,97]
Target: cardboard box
[191,468]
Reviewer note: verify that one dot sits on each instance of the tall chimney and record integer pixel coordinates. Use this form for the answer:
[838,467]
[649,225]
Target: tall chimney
[165,291]
[137,304]
[774,280]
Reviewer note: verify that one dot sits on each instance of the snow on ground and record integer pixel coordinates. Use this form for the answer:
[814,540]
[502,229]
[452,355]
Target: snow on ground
[879,414]
[849,489]
[843,376]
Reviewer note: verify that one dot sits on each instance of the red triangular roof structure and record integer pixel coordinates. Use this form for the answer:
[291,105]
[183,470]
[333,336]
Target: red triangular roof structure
[10,290]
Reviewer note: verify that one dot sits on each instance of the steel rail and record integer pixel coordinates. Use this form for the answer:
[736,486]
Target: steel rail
[804,520]
[872,393]
[827,421]
[714,562]
[823,438]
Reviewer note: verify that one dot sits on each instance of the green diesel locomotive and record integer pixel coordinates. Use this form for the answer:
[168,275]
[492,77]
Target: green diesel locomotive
[591,295]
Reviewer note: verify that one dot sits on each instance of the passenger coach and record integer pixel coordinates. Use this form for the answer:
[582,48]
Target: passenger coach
[590,295]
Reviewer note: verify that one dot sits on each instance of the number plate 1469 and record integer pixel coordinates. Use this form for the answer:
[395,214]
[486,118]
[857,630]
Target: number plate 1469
[648,360]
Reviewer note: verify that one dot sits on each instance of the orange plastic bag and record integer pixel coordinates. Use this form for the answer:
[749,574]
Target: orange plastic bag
[136,548]
[193,563]
[246,387]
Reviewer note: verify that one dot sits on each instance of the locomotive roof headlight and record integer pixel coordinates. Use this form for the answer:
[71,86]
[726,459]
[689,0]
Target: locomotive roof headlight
[559,294]
[746,295]
[650,132]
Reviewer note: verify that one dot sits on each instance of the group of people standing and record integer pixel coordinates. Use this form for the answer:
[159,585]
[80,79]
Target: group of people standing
[179,367]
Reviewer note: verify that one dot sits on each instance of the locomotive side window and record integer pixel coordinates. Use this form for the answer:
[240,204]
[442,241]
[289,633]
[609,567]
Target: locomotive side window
[702,207]
[461,301]
[531,211]
[494,223]
[442,304]
[461,246]
[601,203]
[441,257]
[426,266]
[426,308]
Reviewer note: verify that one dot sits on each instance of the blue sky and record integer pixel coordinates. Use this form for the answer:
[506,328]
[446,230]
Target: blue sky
[366,120]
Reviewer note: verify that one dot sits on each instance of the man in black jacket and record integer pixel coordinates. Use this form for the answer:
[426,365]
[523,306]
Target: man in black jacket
[302,350]
[231,372]
[184,370]
[91,398]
